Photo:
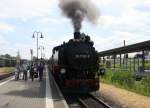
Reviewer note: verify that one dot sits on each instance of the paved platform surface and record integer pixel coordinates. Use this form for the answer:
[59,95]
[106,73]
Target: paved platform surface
[58,99]
[28,94]
[21,94]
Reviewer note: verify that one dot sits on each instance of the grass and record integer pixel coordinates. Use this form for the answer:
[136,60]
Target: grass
[125,80]
[6,69]
[147,66]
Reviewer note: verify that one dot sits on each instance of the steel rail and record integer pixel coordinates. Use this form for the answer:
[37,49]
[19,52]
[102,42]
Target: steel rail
[100,101]
[85,104]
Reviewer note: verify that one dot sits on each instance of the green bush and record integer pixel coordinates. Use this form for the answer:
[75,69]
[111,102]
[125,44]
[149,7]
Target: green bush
[146,81]
[107,77]
[123,78]
[143,86]
[147,66]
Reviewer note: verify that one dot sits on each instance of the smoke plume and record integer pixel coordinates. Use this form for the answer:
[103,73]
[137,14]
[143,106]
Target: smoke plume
[78,10]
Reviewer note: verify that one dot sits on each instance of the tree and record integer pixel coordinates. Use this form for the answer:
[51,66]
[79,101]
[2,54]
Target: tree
[7,56]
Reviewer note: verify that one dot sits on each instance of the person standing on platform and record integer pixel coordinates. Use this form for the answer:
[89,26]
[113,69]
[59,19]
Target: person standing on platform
[32,72]
[24,66]
[40,70]
[17,72]
[28,70]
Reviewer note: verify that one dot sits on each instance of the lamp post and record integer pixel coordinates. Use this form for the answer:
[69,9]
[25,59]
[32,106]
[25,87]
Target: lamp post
[36,35]
[41,48]
[31,52]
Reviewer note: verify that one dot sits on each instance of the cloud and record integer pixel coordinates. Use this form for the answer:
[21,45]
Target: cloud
[131,23]
[101,43]
[116,40]
[25,9]
[53,20]
[122,4]
[3,42]
[129,18]
[143,8]
[50,42]
[126,20]
[24,50]
[7,27]
[4,45]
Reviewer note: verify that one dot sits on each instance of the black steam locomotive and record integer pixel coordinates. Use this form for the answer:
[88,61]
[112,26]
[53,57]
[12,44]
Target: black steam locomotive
[75,65]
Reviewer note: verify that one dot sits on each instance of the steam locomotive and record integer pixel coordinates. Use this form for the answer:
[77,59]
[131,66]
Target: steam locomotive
[75,65]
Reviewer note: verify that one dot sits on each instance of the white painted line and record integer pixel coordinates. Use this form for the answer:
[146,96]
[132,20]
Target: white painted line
[49,100]
[6,81]
[60,94]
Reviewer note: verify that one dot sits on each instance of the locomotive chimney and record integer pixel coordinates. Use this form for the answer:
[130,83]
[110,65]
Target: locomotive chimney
[77,35]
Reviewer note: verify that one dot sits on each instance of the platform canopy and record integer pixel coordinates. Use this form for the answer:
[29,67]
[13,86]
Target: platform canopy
[142,46]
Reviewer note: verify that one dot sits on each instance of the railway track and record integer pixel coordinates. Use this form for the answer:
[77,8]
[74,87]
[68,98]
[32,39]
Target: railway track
[85,101]
[72,101]
[90,101]
[6,75]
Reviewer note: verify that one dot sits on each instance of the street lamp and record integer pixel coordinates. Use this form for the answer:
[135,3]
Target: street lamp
[41,48]
[31,52]
[36,35]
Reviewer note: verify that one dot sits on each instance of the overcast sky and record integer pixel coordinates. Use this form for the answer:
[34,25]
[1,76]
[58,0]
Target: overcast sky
[120,20]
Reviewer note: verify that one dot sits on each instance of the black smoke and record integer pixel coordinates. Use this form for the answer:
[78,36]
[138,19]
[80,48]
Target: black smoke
[78,10]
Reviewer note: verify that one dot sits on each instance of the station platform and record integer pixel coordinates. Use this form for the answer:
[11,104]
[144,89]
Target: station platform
[28,94]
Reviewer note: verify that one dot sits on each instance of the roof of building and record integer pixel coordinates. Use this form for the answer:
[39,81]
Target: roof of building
[142,46]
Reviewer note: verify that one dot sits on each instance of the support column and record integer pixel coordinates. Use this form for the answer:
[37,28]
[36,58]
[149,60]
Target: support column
[114,61]
[123,60]
[138,63]
[126,57]
[130,64]
[143,60]
[134,64]
[120,60]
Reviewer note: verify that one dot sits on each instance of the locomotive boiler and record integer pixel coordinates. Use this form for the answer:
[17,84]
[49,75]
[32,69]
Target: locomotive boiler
[75,65]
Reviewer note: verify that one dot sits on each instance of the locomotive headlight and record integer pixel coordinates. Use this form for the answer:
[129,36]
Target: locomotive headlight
[63,71]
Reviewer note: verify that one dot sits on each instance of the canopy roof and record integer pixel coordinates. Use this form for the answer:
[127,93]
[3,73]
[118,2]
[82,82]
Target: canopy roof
[142,46]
